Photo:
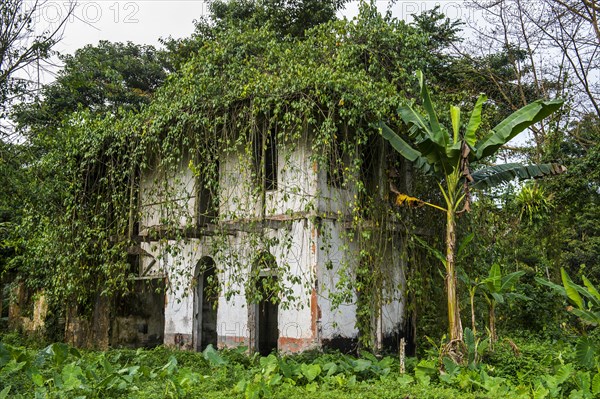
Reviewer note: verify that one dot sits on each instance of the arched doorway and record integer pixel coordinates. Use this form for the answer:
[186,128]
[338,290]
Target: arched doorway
[263,295]
[206,298]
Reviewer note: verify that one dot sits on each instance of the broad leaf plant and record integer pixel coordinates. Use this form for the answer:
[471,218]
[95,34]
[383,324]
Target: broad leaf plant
[449,155]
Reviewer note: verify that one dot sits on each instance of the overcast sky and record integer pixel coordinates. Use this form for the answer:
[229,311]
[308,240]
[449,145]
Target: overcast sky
[144,22]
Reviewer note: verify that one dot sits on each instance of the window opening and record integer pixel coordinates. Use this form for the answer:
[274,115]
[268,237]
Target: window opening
[271,160]
[337,157]
[264,148]
[207,195]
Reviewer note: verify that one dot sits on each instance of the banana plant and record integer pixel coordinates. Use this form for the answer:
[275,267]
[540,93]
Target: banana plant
[586,299]
[496,288]
[449,154]
[586,306]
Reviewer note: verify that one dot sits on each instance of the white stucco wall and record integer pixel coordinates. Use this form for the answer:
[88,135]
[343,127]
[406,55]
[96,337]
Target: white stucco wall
[296,186]
[295,319]
[332,257]
[177,203]
[392,312]
[337,257]
[178,269]
[292,255]
[238,197]
[312,255]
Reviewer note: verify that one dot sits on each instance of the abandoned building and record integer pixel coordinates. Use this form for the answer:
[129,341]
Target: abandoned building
[258,212]
[264,257]
[262,267]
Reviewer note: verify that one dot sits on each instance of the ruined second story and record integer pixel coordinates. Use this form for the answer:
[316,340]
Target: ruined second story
[267,176]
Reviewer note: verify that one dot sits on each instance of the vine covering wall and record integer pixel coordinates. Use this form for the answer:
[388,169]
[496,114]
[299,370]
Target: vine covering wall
[196,162]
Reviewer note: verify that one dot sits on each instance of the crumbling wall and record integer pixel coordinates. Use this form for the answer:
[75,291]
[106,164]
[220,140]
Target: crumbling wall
[89,332]
[139,316]
[27,311]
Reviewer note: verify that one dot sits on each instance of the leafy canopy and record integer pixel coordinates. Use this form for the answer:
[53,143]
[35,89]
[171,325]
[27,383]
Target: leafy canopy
[351,72]
[100,78]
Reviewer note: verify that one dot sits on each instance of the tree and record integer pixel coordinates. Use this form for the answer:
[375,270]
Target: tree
[287,18]
[22,46]
[60,177]
[14,185]
[100,78]
[434,151]
[552,48]
[495,288]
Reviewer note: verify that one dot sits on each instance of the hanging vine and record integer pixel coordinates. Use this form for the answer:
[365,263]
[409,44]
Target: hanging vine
[243,93]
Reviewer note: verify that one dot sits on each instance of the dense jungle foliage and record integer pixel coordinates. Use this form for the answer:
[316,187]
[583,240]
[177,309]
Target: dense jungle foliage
[68,208]
[515,369]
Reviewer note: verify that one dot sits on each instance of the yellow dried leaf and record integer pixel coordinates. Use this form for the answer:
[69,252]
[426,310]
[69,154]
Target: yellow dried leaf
[403,199]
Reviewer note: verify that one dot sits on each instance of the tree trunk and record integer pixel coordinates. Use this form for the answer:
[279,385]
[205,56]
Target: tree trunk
[493,336]
[472,297]
[454,323]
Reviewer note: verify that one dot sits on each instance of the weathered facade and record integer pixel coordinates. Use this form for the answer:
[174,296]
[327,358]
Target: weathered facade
[257,259]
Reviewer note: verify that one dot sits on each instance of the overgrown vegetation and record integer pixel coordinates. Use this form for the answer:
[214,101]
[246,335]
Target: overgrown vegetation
[240,92]
[526,369]
[289,74]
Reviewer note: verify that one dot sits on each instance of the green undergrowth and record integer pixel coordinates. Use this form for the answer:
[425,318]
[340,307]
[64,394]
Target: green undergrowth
[522,369]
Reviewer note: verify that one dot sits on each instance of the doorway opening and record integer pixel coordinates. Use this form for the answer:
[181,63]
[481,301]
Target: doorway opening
[206,295]
[264,297]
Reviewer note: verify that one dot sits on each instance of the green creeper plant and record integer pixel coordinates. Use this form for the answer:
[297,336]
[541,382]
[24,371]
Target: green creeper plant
[129,143]
[449,154]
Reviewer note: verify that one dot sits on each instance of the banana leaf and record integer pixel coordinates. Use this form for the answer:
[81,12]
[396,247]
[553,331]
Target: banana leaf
[493,176]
